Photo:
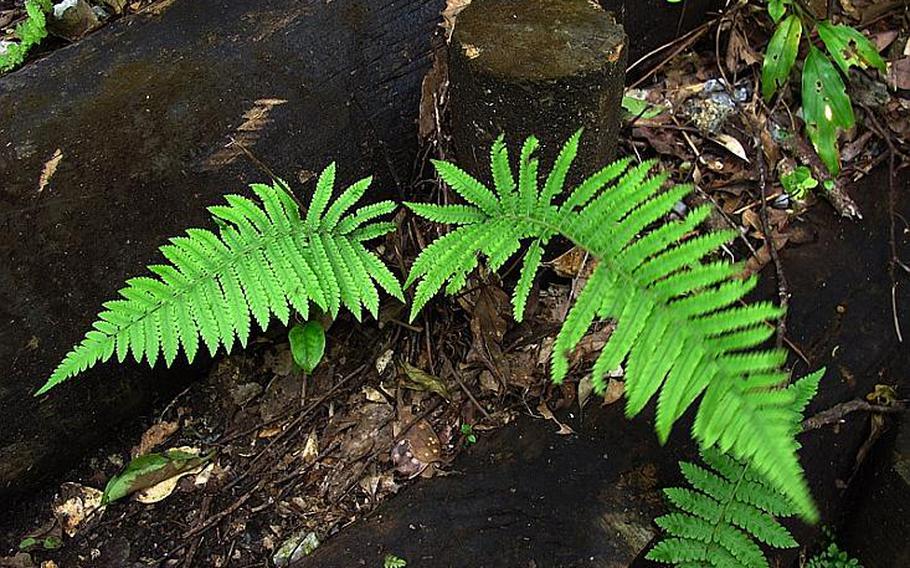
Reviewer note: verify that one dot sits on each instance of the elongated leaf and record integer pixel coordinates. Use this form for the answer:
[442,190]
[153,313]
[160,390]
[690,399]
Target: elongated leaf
[781,55]
[826,107]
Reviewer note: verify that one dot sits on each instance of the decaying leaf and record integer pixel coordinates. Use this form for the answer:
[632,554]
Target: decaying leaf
[449,14]
[75,503]
[417,451]
[733,145]
[148,470]
[418,379]
[162,490]
[300,544]
[544,410]
[154,436]
[50,168]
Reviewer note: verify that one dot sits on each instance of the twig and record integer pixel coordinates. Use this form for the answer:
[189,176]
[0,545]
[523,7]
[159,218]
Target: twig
[783,291]
[894,262]
[836,413]
[447,365]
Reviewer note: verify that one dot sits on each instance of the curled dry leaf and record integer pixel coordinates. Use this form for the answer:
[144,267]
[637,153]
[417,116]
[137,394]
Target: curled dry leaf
[449,14]
[154,436]
[50,168]
[544,410]
[417,451]
[420,380]
[75,503]
[161,491]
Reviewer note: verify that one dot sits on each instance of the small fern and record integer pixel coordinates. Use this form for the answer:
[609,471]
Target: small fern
[729,508]
[29,33]
[680,329]
[266,259]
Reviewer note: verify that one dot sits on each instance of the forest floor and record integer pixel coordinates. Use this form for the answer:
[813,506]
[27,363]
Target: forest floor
[286,461]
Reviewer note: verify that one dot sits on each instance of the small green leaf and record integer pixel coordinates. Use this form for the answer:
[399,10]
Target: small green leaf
[826,106]
[392,561]
[780,55]
[307,345]
[848,47]
[798,182]
[148,470]
[777,9]
[638,108]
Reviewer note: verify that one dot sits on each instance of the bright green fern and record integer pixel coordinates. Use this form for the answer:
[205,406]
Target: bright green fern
[681,331]
[267,258]
[29,33]
[729,507]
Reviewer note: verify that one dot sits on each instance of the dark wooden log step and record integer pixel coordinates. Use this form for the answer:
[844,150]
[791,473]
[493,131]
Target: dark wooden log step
[134,121]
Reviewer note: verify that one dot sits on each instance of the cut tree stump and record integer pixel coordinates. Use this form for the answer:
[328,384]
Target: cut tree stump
[114,144]
[541,67]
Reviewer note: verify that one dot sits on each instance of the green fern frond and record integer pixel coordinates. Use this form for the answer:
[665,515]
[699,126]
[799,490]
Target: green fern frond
[680,332]
[30,33]
[730,508]
[265,260]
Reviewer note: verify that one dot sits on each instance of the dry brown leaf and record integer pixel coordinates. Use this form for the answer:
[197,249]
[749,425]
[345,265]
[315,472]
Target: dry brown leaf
[614,391]
[74,503]
[573,263]
[450,13]
[50,168]
[544,410]
[155,435]
[899,73]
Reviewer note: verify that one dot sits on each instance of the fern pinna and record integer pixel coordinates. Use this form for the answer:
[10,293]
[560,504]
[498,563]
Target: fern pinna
[267,258]
[680,332]
[729,507]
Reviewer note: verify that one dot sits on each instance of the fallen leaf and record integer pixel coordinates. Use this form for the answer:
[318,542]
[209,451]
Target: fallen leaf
[571,263]
[50,168]
[310,449]
[161,491]
[148,470]
[614,391]
[544,410]
[382,362]
[422,381]
[300,544]
[450,13]
[899,74]
[75,503]
[733,145]
[155,435]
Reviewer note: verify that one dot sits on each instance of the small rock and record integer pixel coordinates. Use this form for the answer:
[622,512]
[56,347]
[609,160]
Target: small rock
[72,19]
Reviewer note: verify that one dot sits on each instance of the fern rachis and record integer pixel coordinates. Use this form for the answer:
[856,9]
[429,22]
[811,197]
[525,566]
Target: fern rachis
[680,331]
[265,260]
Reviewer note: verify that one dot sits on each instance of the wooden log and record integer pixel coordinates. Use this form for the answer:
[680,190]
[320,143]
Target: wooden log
[527,496]
[542,67]
[112,145]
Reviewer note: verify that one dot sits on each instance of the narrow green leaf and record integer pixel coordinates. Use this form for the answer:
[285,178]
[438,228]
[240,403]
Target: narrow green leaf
[780,55]
[826,107]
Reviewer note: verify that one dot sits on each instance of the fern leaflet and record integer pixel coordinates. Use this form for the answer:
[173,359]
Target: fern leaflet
[265,260]
[680,331]
[730,508]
